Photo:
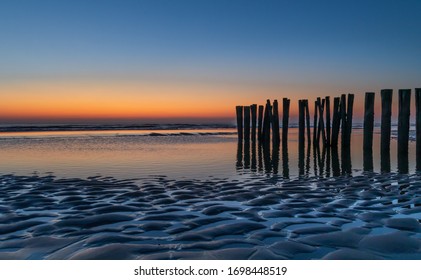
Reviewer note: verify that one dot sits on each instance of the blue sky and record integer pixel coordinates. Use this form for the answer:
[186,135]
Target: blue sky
[314,46]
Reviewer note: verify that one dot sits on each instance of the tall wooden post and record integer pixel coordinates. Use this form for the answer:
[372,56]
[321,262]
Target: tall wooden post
[247,123]
[327,109]
[301,124]
[239,111]
[266,122]
[260,123]
[368,131]
[315,122]
[307,113]
[321,122]
[285,121]
[403,129]
[368,122]
[386,125]
[418,127]
[349,115]
[336,122]
[275,124]
[253,121]
[343,120]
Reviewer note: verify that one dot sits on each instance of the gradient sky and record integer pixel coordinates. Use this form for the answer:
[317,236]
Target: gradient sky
[194,60]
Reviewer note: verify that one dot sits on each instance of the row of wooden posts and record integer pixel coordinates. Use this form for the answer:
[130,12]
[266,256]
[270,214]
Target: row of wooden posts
[327,127]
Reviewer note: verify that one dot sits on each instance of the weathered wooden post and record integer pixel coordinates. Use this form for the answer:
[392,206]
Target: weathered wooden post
[285,161]
[239,163]
[403,129]
[266,122]
[321,122]
[260,123]
[275,124]
[343,119]
[336,122]
[368,122]
[418,127]
[368,131]
[386,124]
[301,136]
[328,139]
[285,120]
[239,111]
[247,123]
[349,115]
[253,121]
[301,125]
[315,122]
[307,114]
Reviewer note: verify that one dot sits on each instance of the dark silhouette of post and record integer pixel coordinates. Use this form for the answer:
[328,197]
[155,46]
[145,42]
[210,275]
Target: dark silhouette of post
[285,161]
[247,123]
[307,114]
[321,130]
[239,163]
[275,124]
[403,129]
[239,111]
[301,125]
[386,124]
[253,167]
[260,123]
[418,127]
[349,114]
[368,131]
[343,120]
[267,122]
[315,122]
[327,109]
[253,121]
[285,120]
[336,122]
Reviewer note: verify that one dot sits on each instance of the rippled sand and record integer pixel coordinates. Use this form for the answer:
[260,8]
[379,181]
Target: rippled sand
[371,216]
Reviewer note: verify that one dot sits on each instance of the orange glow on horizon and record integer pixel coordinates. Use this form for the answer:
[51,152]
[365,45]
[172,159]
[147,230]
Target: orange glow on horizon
[135,100]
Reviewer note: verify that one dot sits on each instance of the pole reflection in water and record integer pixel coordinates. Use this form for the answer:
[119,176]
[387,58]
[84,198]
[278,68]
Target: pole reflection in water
[256,157]
[253,156]
[285,161]
[247,154]
[239,163]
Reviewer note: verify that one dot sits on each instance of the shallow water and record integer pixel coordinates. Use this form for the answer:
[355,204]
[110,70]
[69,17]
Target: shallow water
[191,154]
[200,195]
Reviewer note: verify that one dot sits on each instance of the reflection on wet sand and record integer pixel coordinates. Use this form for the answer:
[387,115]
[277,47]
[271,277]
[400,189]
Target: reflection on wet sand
[266,158]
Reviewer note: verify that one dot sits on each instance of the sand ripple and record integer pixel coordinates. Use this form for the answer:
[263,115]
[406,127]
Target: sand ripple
[371,216]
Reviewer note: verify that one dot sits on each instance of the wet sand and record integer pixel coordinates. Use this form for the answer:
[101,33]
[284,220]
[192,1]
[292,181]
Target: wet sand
[370,216]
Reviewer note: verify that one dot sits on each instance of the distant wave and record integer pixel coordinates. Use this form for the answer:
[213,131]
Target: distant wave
[41,128]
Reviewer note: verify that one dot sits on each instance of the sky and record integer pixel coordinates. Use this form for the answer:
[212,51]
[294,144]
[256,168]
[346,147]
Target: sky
[194,60]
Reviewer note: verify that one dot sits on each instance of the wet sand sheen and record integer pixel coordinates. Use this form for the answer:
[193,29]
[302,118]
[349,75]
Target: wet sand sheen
[371,216]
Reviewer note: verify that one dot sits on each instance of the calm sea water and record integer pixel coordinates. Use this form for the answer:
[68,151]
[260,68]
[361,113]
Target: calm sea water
[186,153]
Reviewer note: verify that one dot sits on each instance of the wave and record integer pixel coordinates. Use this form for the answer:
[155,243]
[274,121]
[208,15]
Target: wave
[46,128]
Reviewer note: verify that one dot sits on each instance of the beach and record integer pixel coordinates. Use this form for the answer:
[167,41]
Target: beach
[147,197]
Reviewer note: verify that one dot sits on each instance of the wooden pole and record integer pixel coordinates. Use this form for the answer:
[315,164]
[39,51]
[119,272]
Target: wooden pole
[239,111]
[285,120]
[328,139]
[343,119]
[386,124]
[403,129]
[307,113]
[267,122]
[315,122]
[418,127]
[247,123]
[275,124]
[301,125]
[260,123]
[253,121]
[336,122]
[321,122]
[349,114]
[368,122]
[368,131]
